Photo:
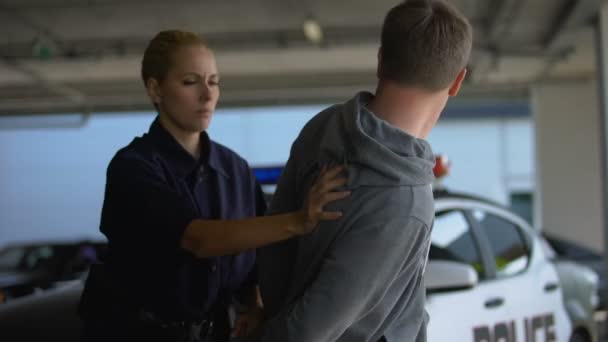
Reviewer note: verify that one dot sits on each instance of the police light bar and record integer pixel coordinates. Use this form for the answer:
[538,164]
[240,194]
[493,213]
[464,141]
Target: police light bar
[268,175]
[442,165]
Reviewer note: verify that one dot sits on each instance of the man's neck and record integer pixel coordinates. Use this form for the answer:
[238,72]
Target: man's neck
[414,111]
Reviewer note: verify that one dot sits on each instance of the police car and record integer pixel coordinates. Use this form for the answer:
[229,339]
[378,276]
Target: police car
[580,288]
[505,273]
[488,279]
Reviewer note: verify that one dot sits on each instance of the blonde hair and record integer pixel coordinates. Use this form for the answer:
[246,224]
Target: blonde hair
[158,57]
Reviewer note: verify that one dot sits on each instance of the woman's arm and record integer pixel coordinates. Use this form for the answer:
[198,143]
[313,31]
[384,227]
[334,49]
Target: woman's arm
[206,238]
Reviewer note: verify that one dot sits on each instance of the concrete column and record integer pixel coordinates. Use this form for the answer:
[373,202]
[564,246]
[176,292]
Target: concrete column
[602,66]
[568,197]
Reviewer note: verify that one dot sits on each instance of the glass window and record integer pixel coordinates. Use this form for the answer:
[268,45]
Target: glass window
[521,203]
[10,258]
[37,256]
[510,251]
[452,240]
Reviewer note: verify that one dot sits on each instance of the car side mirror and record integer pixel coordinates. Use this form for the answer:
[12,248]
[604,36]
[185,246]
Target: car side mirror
[443,275]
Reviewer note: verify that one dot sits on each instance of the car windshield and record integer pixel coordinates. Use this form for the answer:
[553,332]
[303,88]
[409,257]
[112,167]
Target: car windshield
[25,258]
[10,258]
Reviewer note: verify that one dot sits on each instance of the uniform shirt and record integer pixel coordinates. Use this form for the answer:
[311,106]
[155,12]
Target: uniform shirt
[154,190]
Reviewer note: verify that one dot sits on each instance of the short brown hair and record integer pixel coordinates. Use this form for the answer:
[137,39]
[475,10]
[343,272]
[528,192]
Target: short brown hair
[158,57]
[425,43]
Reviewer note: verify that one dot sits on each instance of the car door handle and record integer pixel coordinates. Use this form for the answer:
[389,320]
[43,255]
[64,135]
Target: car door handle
[550,287]
[494,302]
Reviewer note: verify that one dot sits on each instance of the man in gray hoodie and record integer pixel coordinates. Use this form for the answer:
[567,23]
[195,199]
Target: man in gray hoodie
[360,278]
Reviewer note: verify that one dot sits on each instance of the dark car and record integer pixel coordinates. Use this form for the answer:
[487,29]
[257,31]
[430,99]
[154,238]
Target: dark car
[25,269]
[568,250]
[47,316]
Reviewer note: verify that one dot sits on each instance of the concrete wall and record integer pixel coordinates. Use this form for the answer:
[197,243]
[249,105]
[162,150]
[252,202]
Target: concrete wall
[489,157]
[568,177]
[52,179]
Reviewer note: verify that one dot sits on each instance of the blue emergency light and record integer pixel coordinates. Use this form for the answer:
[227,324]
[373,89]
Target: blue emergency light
[268,175]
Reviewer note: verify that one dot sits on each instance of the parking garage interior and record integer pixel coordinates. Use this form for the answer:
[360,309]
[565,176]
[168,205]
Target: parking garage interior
[528,131]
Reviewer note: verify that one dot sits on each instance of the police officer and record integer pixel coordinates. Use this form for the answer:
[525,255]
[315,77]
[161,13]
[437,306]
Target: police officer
[179,214]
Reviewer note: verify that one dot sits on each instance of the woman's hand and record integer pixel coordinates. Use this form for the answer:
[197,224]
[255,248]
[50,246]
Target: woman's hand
[321,193]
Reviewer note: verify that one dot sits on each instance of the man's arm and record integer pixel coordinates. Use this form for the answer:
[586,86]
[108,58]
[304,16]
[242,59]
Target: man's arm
[276,261]
[354,277]
[284,198]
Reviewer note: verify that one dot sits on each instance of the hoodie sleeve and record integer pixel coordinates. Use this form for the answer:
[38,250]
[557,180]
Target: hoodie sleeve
[354,276]
[285,199]
[276,260]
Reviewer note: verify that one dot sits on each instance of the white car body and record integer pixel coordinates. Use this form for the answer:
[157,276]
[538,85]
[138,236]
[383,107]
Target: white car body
[521,302]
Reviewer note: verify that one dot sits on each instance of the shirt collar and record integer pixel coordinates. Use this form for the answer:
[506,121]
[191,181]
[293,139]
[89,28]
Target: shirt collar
[183,161]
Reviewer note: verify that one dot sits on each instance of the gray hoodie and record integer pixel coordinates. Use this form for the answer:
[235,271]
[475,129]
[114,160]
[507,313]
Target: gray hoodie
[358,278]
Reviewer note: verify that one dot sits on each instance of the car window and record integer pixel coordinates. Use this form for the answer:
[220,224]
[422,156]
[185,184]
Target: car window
[511,253]
[37,256]
[452,239]
[10,258]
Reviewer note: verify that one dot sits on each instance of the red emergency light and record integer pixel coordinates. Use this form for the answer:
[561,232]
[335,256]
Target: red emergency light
[442,165]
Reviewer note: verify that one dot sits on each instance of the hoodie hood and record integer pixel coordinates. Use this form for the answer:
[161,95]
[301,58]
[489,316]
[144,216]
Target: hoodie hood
[374,151]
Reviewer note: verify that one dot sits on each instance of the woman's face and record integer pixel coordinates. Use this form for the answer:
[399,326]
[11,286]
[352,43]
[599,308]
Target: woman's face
[189,93]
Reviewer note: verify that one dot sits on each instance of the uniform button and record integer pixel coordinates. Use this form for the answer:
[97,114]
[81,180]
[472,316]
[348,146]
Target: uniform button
[213,268]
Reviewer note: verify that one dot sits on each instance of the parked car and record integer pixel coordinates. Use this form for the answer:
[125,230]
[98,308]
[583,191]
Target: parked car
[568,250]
[27,268]
[579,288]
[45,316]
[488,278]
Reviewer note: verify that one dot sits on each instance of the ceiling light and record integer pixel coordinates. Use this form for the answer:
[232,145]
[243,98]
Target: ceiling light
[312,31]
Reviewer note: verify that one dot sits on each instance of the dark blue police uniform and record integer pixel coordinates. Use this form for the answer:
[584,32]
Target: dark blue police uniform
[154,189]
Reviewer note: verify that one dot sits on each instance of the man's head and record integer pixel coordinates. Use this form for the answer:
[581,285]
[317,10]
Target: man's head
[425,44]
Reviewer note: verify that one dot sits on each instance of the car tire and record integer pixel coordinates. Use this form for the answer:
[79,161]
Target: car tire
[578,336]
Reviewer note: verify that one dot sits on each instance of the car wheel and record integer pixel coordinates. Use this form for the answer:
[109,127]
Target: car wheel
[578,336]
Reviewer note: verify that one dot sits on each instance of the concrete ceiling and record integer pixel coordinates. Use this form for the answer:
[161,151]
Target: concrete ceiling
[77,55]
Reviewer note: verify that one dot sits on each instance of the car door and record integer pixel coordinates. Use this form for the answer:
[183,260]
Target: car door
[532,296]
[463,314]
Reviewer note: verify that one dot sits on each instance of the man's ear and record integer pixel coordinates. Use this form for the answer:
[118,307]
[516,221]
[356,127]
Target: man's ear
[153,90]
[455,87]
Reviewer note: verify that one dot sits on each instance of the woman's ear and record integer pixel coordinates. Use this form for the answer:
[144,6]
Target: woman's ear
[153,90]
